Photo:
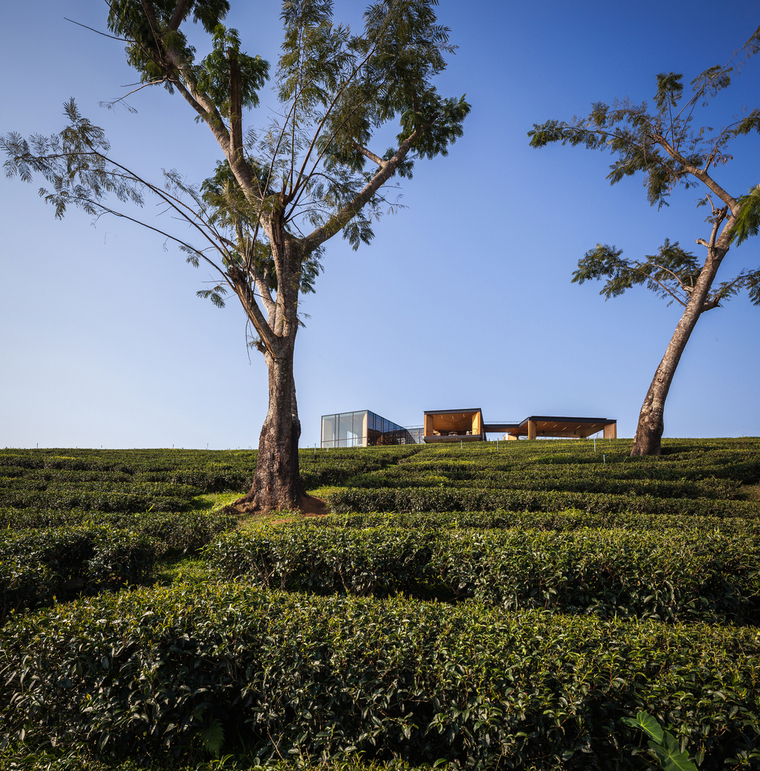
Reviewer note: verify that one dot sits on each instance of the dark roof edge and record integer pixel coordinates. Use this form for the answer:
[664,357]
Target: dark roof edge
[451,412]
[569,419]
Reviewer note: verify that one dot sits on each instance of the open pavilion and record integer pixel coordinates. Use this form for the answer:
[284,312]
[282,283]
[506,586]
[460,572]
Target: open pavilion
[366,429]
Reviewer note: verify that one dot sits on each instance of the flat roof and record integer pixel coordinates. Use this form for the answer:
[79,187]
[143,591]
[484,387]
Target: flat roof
[569,420]
[451,412]
[553,425]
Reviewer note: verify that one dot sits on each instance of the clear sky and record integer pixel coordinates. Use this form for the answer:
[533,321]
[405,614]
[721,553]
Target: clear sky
[464,298]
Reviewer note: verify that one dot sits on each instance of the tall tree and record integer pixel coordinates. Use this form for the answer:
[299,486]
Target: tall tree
[281,192]
[671,151]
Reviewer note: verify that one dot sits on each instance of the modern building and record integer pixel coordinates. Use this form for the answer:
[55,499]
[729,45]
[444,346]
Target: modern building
[367,429]
[364,429]
[454,426]
[469,426]
[538,426]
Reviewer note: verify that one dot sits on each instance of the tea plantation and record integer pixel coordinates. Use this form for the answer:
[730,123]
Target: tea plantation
[477,607]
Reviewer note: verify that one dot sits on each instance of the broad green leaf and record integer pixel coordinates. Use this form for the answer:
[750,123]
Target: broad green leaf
[646,723]
[670,756]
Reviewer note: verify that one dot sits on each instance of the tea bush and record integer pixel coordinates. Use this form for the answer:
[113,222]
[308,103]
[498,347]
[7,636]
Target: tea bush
[36,567]
[668,575]
[446,498]
[565,519]
[157,673]
[178,532]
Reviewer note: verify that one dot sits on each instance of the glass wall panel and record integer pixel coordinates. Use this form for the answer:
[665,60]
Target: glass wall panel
[351,429]
[345,427]
[328,430]
[362,429]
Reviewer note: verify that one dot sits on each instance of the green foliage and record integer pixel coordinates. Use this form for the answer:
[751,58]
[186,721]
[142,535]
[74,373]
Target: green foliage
[214,70]
[147,673]
[745,226]
[36,567]
[666,147]
[127,19]
[75,164]
[445,498]
[663,744]
[540,630]
[556,476]
[672,273]
[289,186]
[667,575]
[566,520]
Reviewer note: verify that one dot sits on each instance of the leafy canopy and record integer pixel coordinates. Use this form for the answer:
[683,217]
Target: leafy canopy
[308,168]
[666,146]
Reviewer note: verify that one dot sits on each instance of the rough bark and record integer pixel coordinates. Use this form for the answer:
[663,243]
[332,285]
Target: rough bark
[647,440]
[277,481]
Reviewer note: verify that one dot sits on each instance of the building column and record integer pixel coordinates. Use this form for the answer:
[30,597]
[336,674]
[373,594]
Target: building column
[531,429]
[610,431]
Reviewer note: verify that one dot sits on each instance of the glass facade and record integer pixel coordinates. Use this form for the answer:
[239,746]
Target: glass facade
[362,429]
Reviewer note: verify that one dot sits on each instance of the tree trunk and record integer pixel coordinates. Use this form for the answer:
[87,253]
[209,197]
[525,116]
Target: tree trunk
[651,424]
[277,481]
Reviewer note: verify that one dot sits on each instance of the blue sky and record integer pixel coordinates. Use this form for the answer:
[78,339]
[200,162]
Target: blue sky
[464,298]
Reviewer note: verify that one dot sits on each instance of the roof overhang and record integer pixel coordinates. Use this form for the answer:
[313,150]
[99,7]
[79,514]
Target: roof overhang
[550,425]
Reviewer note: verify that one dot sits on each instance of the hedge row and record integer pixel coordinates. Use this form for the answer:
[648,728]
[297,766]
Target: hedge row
[130,497]
[157,673]
[567,519]
[14,758]
[36,567]
[208,471]
[183,532]
[668,575]
[414,499]
[575,478]
[469,465]
[214,477]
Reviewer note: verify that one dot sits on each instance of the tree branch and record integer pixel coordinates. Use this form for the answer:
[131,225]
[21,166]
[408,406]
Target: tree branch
[178,16]
[339,220]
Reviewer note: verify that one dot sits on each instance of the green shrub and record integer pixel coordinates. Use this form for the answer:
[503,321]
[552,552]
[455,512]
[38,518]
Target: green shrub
[183,532]
[447,498]
[562,520]
[68,561]
[668,575]
[155,673]
[23,585]
[376,561]
[120,558]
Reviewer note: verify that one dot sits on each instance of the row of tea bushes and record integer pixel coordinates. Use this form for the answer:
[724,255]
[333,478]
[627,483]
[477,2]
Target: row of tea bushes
[579,478]
[164,673]
[44,556]
[320,468]
[736,461]
[201,471]
[566,519]
[178,532]
[448,498]
[670,575]
[61,563]
[100,496]
[14,758]
[130,462]
[204,471]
